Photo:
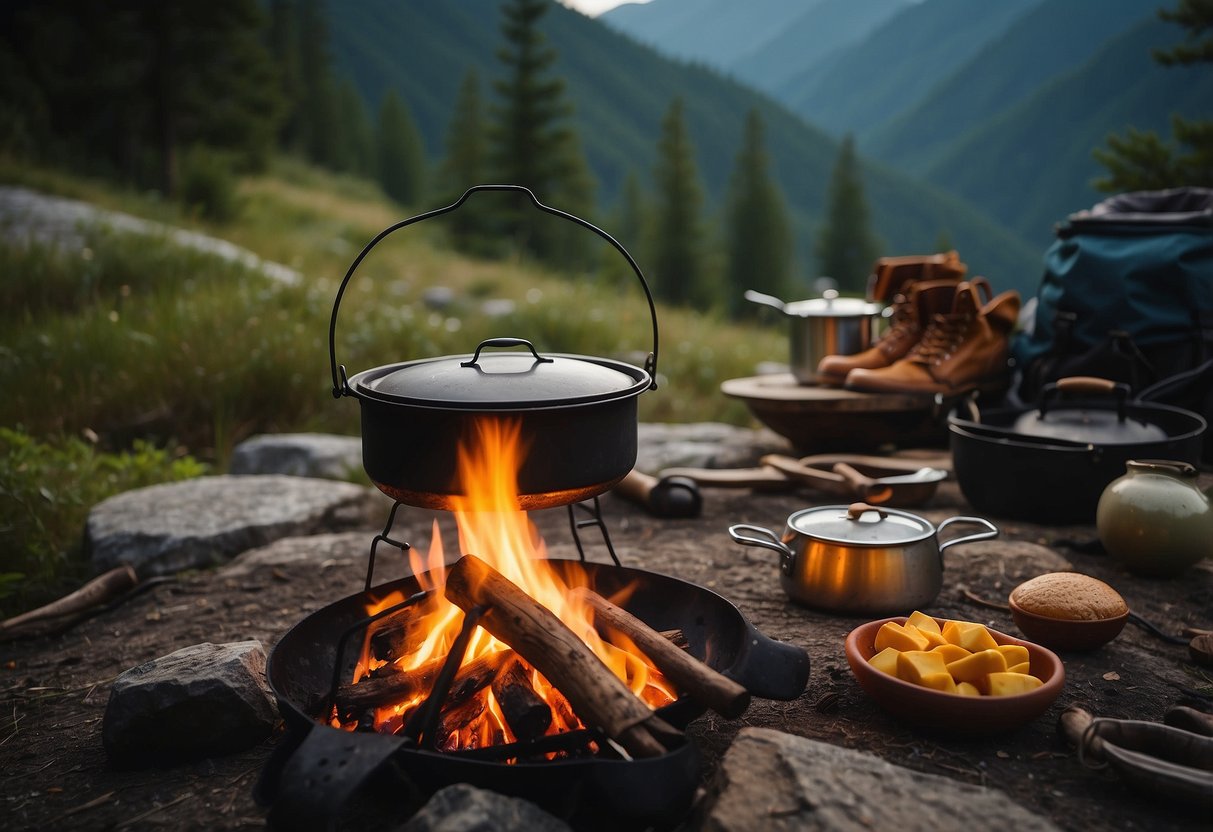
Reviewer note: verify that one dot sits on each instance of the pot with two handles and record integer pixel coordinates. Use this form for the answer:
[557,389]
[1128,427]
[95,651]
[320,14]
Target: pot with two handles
[576,415]
[828,325]
[860,559]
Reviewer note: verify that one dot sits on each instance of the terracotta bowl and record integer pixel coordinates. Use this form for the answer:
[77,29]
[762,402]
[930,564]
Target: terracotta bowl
[949,712]
[1067,633]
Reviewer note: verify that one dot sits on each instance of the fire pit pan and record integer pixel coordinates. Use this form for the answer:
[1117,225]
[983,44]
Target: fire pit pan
[315,767]
[577,414]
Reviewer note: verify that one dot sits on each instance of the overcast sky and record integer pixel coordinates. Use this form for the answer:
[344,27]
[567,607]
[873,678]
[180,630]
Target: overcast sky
[597,7]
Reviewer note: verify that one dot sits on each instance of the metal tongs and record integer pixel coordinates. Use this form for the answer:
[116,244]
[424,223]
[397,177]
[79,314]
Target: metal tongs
[1171,759]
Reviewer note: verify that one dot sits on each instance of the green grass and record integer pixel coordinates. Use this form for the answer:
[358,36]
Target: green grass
[136,340]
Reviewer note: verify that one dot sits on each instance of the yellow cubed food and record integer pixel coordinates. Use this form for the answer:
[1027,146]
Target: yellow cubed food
[967,689]
[939,681]
[1009,684]
[923,622]
[886,661]
[899,637]
[913,665]
[974,667]
[1022,667]
[950,652]
[969,635]
[1014,654]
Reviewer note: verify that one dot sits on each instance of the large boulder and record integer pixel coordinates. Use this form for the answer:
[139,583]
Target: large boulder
[772,781]
[166,528]
[204,700]
[323,455]
[464,808]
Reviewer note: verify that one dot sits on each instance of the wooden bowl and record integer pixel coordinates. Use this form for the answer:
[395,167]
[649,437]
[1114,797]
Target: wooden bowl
[949,712]
[1067,633]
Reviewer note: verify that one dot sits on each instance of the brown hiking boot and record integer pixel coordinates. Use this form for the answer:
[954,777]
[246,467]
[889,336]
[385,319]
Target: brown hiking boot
[892,275]
[911,313]
[963,350]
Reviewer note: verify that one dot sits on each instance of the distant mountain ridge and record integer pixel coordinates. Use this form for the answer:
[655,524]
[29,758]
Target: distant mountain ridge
[621,90]
[825,29]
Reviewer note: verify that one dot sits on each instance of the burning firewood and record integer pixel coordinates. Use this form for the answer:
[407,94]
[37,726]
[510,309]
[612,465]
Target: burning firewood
[718,692]
[378,691]
[524,710]
[597,696]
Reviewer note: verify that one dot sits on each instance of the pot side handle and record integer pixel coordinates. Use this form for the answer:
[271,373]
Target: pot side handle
[770,669]
[990,532]
[340,384]
[766,539]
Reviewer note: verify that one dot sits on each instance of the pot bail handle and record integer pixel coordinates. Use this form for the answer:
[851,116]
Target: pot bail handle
[506,342]
[341,383]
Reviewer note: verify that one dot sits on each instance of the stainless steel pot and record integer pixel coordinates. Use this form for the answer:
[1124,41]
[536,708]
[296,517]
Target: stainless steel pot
[859,558]
[828,325]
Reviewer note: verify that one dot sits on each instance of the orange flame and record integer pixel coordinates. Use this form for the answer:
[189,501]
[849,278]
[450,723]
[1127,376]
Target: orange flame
[492,526]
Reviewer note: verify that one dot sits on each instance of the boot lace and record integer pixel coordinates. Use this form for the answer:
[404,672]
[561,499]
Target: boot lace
[903,324]
[943,336]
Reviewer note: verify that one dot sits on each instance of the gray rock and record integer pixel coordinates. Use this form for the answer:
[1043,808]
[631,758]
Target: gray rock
[769,780]
[703,445]
[464,808]
[204,700]
[299,455]
[166,528]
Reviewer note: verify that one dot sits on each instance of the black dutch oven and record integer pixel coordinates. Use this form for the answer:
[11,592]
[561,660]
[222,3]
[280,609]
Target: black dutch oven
[577,415]
[1051,463]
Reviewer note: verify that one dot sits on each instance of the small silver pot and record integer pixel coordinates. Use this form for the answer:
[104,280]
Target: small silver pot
[859,558]
[828,325]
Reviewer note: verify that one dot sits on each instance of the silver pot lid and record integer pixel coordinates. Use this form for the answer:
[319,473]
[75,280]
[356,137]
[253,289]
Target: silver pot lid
[832,307]
[860,524]
[501,381]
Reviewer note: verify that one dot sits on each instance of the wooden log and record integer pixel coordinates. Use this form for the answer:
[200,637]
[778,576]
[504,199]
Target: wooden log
[389,688]
[457,718]
[707,686]
[524,710]
[597,696]
[103,588]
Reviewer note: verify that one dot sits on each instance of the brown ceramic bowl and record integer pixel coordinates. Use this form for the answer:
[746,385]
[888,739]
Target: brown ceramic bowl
[1067,633]
[949,712]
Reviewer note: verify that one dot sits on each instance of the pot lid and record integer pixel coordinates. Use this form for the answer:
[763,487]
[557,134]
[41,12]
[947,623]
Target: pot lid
[861,524]
[1079,424]
[832,306]
[500,381]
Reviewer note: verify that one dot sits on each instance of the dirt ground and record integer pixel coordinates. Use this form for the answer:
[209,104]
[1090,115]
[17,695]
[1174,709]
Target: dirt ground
[53,690]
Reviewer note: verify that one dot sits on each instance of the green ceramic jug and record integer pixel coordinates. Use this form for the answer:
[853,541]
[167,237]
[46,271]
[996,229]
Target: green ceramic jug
[1154,519]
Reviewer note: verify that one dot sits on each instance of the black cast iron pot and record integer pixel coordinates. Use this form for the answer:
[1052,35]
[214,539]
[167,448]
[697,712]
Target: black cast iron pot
[576,415]
[1051,463]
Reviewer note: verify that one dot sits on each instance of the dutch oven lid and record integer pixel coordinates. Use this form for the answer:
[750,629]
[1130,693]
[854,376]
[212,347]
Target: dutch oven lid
[1101,423]
[861,524]
[502,380]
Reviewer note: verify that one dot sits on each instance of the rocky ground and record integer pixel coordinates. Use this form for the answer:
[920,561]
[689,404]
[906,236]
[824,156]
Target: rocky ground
[54,772]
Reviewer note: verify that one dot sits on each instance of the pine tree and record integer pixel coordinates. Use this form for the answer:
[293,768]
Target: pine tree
[464,165]
[759,248]
[532,142]
[846,247]
[401,157]
[680,273]
[356,138]
[318,118]
[1141,160]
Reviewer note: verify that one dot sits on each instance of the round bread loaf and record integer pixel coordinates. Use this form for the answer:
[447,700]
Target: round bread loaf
[1069,595]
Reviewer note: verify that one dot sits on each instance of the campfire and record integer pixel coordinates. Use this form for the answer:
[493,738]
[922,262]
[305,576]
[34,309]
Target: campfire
[549,655]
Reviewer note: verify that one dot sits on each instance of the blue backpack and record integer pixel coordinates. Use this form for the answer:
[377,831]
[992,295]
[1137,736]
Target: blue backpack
[1127,294]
